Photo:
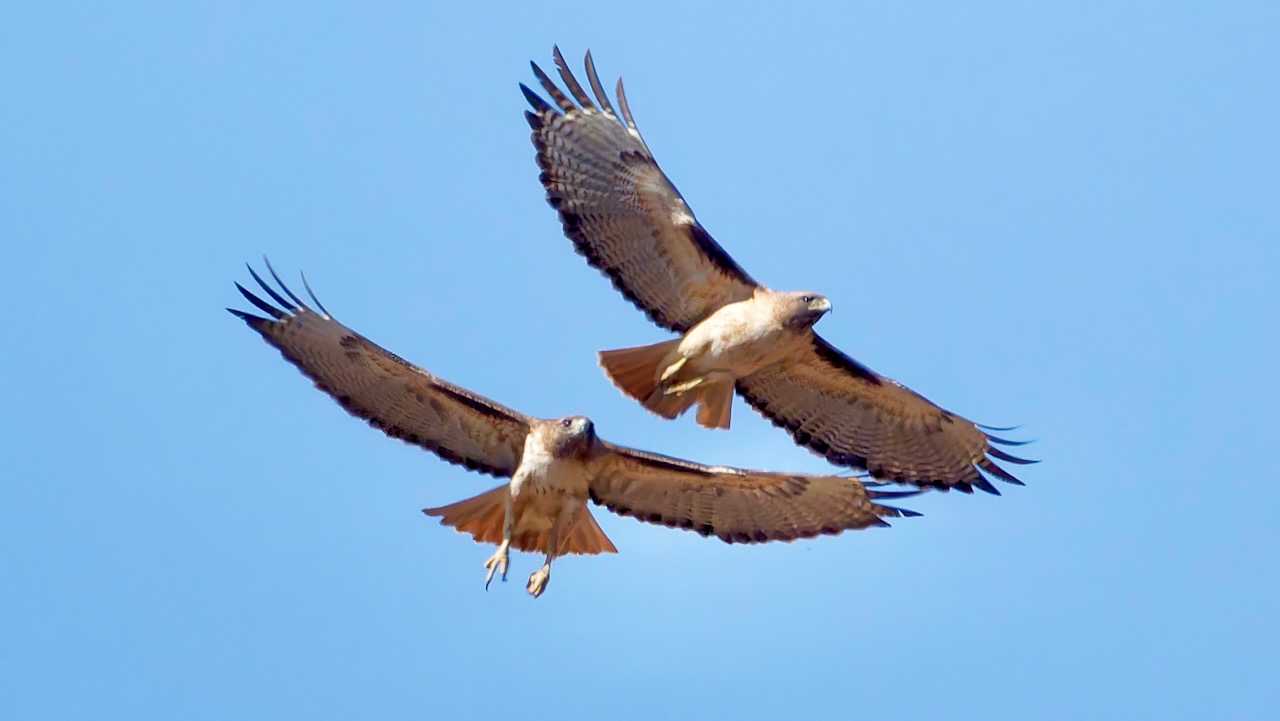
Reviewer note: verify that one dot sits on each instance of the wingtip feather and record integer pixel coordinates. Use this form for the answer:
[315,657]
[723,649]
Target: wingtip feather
[995,470]
[284,286]
[312,295]
[1007,442]
[997,453]
[986,486]
[997,429]
[251,319]
[261,304]
[271,291]
[535,100]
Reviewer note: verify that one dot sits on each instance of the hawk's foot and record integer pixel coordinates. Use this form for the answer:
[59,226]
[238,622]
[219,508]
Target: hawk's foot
[497,562]
[538,581]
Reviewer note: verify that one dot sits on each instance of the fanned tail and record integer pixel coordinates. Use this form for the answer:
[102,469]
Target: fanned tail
[482,517]
[585,536]
[636,371]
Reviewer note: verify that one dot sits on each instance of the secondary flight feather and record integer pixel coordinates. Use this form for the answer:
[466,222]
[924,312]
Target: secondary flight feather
[629,221]
[555,465]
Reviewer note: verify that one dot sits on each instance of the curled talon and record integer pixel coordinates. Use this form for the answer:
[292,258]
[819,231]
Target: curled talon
[497,562]
[538,581]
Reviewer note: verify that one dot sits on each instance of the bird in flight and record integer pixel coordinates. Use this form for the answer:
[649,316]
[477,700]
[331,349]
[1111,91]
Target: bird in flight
[629,221]
[554,465]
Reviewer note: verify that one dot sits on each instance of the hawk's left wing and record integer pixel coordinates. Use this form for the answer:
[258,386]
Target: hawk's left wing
[733,504]
[621,211]
[841,410]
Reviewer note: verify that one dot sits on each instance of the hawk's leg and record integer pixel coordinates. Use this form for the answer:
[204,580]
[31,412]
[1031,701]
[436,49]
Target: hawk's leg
[682,388]
[538,579]
[673,369]
[498,562]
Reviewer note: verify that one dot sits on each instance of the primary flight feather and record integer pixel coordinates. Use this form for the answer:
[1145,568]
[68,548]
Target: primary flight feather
[555,465]
[629,221]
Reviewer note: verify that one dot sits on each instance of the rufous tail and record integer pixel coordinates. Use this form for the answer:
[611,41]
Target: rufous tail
[717,405]
[482,517]
[636,371]
[585,536]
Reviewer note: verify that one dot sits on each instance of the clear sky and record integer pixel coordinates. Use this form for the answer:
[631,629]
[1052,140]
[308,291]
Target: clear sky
[1065,219]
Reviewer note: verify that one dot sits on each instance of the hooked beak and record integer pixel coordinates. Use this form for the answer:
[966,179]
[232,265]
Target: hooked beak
[817,310]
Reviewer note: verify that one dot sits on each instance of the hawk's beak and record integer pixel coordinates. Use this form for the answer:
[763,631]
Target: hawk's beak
[817,309]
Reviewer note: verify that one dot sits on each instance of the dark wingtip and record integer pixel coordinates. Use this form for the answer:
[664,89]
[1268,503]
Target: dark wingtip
[871,493]
[995,470]
[312,295]
[249,318]
[271,291]
[986,486]
[283,286]
[997,453]
[261,304]
[1007,442]
[998,429]
[534,99]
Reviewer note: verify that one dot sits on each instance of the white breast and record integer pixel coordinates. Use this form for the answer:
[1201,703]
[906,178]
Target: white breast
[736,340]
[541,473]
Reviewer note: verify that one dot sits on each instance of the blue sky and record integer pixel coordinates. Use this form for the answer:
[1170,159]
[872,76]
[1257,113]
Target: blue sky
[1061,218]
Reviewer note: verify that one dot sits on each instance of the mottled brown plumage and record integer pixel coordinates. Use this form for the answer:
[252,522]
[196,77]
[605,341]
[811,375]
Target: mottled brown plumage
[629,221]
[555,465]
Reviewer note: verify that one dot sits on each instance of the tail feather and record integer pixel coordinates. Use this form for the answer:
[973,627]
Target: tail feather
[635,371]
[482,517]
[586,537]
[717,405]
[670,405]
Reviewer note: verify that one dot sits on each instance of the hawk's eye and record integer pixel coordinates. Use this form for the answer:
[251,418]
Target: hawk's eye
[806,299]
[566,423]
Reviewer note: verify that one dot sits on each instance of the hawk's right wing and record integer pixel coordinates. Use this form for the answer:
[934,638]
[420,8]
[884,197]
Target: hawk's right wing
[394,396]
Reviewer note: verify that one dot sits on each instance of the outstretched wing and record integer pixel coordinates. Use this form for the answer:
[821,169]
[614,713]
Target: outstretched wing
[840,410]
[733,504]
[394,396]
[621,211]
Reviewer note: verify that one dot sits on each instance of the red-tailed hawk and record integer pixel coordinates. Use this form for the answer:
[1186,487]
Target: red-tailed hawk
[555,466]
[630,222]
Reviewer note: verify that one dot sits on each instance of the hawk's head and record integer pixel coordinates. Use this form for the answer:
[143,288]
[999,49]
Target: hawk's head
[803,308]
[572,435]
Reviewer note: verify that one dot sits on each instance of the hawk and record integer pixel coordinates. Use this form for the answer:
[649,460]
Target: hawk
[629,221]
[555,465]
